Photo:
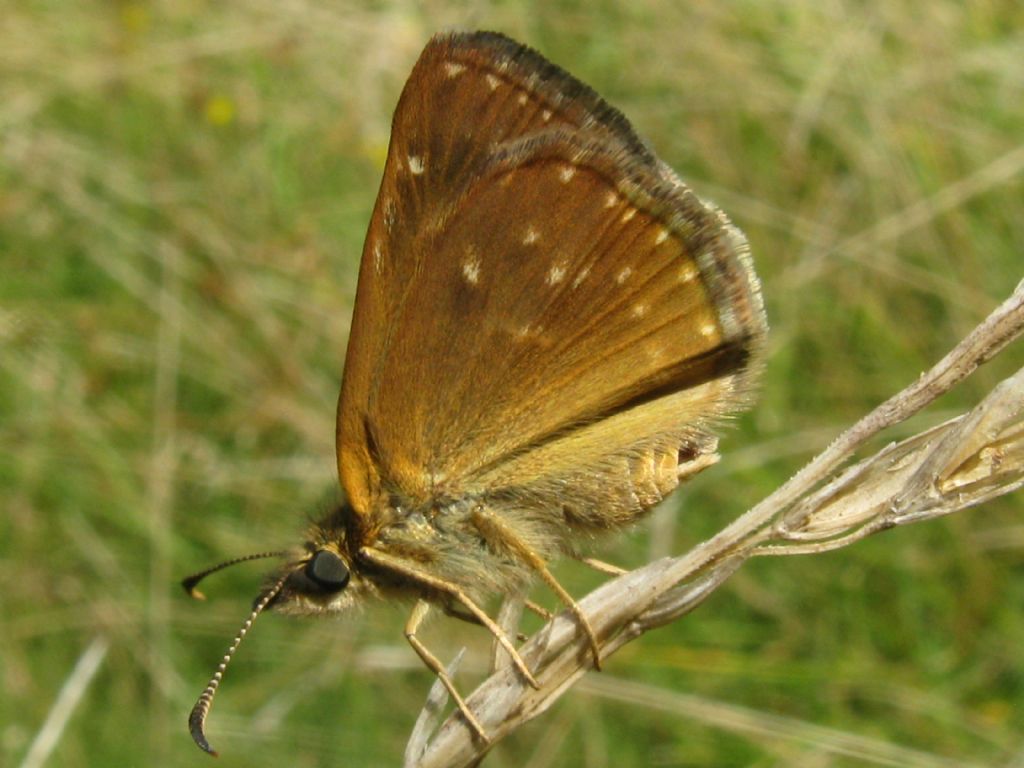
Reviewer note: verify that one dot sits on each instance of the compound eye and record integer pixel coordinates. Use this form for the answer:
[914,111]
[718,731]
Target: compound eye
[327,571]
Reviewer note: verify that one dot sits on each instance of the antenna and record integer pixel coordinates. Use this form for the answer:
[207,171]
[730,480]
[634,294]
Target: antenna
[197,717]
[190,583]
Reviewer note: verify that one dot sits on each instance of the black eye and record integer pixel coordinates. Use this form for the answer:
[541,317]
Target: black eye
[327,571]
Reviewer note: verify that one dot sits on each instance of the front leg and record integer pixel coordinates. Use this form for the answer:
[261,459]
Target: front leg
[419,612]
[455,593]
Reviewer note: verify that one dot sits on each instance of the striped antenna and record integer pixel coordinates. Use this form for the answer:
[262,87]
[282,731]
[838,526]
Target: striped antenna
[197,717]
[190,583]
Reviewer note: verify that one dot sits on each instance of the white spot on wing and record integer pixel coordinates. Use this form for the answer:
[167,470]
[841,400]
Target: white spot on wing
[378,258]
[556,274]
[565,173]
[580,277]
[531,237]
[453,69]
[471,270]
[545,115]
[708,329]
[611,200]
[687,273]
[662,236]
[629,214]
[623,276]
[639,310]
[492,81]
[524,332]
[522,99]
[415,165]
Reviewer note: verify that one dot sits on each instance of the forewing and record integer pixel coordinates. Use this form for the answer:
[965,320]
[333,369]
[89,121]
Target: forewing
[467,94]
[531,274]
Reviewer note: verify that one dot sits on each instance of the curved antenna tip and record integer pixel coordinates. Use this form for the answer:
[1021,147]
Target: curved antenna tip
[197,717]
[189,585]
[196,725]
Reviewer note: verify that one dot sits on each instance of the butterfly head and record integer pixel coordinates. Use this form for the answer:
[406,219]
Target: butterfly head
[322,579]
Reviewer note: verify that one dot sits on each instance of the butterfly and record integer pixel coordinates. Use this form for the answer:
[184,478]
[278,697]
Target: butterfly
[548,326]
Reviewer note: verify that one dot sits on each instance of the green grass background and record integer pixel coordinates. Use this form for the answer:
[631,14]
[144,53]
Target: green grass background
[184,190]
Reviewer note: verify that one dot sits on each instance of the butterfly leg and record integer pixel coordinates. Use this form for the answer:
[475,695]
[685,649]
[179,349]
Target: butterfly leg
[500,535]
[440,586]
[419,612]
[602,567]
[539,609]
[469,618]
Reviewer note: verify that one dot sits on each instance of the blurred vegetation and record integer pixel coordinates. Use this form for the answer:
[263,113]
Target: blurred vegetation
[184,189]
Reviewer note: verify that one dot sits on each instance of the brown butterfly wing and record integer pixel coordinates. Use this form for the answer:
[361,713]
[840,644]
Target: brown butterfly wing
[454,111]
[542,308]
